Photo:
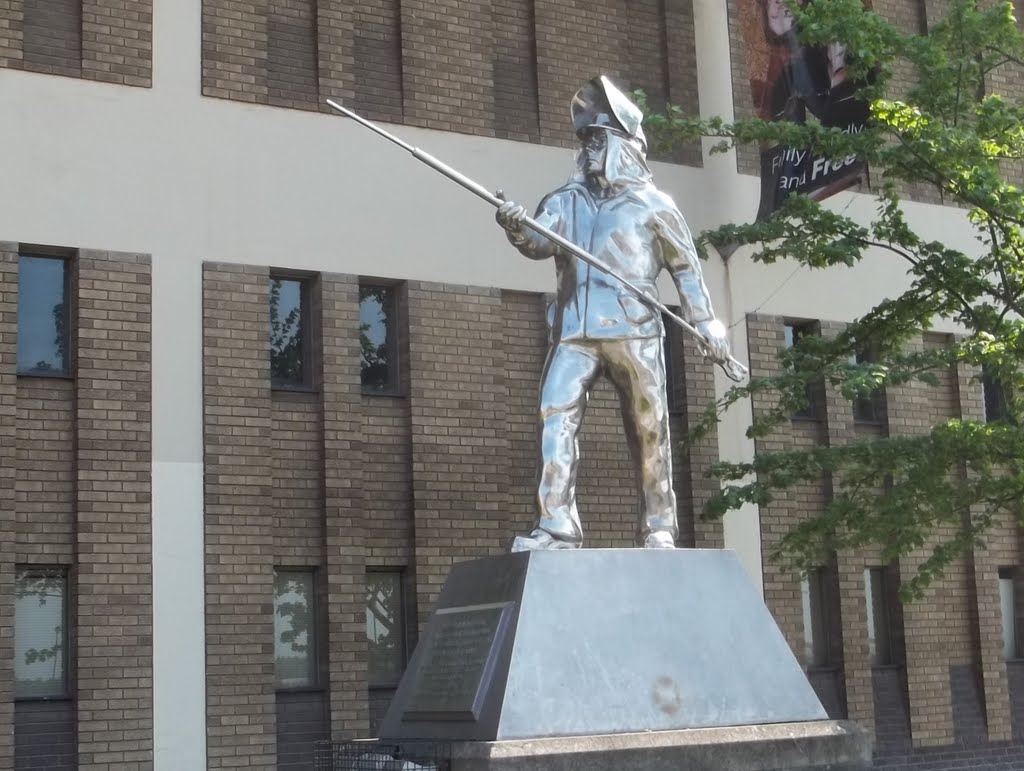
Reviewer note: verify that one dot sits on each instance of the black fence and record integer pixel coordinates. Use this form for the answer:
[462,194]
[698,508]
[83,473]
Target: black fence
[383,756]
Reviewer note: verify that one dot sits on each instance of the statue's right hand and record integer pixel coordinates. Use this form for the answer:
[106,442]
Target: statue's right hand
[510,216]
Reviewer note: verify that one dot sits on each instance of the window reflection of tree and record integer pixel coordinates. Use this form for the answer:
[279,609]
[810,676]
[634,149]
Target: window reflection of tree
[285,335]
[45,587]
[384,628]
[294,650]
[375,335]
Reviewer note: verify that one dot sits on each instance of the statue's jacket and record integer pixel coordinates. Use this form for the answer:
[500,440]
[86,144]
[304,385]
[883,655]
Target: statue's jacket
[637,231]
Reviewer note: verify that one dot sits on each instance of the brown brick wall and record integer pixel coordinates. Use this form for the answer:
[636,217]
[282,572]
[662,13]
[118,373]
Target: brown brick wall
[948,643]
[1002,550]
[344,472]
[858,680]
[239,518]
[606,492]
[78,495]
[447,81]
[472,66]
[45,486]
[765,338]
[12,22]
[113,533]
[459,443]
[387,491]
[8,477]
[106,40]
[525,345]
[934,623]
[296,442]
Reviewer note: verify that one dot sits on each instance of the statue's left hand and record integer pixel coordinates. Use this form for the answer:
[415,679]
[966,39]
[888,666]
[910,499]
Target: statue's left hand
[715,339]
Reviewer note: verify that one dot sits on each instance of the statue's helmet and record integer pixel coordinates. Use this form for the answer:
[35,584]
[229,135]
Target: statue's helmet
[600,104]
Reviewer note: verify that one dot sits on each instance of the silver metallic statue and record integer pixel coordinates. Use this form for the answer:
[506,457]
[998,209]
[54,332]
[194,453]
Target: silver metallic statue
[599,325]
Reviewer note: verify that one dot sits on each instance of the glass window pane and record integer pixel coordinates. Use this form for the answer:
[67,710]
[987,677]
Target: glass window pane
[376,337]
[385,627]
[40,634]
[294,630]
[996,397]
[287,344]
[42,316]
[1006,605]
[814,392]
[1008,612]
[815,612]
[879,631]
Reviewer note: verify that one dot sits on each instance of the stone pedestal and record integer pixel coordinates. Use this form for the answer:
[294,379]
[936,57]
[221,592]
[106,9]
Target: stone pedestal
[623,657]
[818,746]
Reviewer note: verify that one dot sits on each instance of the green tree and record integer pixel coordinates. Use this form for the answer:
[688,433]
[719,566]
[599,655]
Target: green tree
[950,132]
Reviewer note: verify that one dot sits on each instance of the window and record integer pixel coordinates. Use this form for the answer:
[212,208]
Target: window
[289,333]
[40,633]
[996,397]
[43,328]
[814,392]
[295,637]
[377,339]
[880,644]
[1008,612]
[385,627]
[871,408]
[817,638]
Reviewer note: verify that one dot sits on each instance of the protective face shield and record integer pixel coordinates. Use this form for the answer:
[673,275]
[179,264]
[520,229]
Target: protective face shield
[599,104]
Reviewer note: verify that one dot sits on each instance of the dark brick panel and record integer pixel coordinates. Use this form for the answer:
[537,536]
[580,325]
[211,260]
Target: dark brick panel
[377,44]
[998,757]
[892,719]
[53,36]
[515,72]
[828,684]
[1015,676]
[525,347]
[291,58]
[380,700]
[105,40]
[302,720]
[645,43]
[968,707]
[44,736]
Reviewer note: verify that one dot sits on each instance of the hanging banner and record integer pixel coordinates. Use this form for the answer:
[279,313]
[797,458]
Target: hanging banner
[790,81]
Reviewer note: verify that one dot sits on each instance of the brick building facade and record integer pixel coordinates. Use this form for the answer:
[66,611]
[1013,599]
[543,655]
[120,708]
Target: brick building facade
[218,550]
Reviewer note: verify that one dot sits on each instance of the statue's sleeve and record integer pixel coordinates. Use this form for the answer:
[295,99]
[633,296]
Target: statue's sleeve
[532,244]
[680,256]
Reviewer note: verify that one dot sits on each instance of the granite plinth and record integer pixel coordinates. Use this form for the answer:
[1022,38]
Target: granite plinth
[824,745]
[594,642]
[821,745]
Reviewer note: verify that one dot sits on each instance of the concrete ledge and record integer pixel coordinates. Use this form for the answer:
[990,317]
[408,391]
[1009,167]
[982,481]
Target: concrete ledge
[814,746]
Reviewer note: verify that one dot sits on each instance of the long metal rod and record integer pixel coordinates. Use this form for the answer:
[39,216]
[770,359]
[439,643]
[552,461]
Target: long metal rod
[733,368]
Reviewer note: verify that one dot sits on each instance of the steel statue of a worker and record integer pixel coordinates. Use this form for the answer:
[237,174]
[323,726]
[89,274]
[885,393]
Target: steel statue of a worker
[599,327]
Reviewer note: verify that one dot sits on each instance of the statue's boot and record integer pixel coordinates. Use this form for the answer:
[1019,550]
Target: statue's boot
[659,539]
[541,540]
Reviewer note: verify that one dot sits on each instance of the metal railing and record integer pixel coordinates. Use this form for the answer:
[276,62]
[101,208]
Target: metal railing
[367,755]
